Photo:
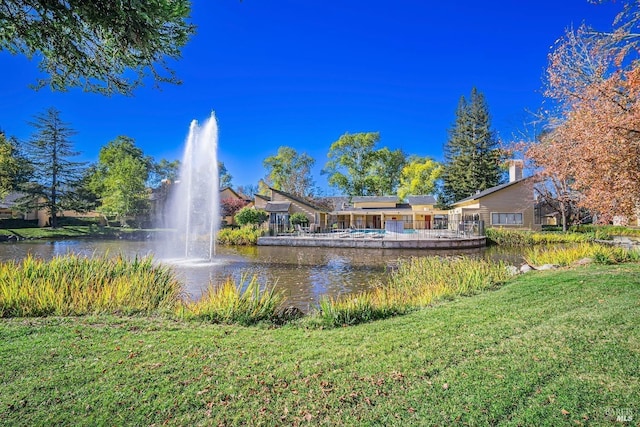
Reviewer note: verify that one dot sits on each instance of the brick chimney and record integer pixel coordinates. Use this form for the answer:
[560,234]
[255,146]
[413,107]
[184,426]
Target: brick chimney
[515,170]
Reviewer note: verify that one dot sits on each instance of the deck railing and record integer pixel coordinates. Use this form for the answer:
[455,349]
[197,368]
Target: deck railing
[402,230]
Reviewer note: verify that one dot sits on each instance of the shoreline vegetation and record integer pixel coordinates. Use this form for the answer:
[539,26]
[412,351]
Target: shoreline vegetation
[446,340]
[73,285]
[546,348]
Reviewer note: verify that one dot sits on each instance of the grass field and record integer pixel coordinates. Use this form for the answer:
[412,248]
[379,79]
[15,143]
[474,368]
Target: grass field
[69,231]
[547,349]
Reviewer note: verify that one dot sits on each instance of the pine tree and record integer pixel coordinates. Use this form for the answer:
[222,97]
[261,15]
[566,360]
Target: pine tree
[55,176]
[472,155]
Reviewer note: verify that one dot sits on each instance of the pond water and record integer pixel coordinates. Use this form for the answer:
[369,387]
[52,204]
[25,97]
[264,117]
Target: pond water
[304,274]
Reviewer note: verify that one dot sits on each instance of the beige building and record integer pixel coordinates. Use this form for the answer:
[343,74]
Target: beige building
[364,212]
[8,209]
[281,205]
[228,194]
[509,205]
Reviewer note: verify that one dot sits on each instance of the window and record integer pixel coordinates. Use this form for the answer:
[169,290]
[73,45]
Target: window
[506,218]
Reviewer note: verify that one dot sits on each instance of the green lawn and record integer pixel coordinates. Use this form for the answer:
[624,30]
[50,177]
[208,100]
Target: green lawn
[71,231]
[548,349]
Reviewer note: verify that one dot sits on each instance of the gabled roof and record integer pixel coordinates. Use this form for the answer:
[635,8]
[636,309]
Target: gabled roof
[238,195]
[299,200]
[421,200]
[262,196]
[489,191]
[374,199]
[277,206]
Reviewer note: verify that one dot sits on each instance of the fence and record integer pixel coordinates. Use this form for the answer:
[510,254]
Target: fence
[394,230]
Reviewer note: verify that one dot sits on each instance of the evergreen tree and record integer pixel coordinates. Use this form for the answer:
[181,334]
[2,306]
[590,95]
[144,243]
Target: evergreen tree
[108,47]
[55,176]
[472,155]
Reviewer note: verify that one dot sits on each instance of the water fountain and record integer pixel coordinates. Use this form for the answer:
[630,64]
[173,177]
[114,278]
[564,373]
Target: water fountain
[195,199]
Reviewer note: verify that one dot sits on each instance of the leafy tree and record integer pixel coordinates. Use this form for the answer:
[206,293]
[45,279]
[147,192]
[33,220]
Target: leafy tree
[351,158]
[83,198]
[104,46]
[224,176]
[163,170]
[384,176]
[419,177]
[249,190]
[14,168]
[298,218]
[594,79]
[472,154]
[263,188]
[230,206]
[290,171]
[251,216]
[120,179]
[356,168]
[55,175]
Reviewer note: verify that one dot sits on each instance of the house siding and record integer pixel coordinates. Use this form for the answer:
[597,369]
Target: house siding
[516,198]
[295,206]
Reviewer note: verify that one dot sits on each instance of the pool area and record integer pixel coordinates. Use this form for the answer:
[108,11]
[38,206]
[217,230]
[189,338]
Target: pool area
[378,239]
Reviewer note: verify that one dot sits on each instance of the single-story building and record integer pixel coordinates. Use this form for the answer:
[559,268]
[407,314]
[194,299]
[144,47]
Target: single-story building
[281,205]
[234,201]
[509,205]
[362,212]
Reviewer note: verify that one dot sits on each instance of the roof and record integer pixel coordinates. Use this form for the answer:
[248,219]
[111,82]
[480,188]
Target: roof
[374,199]
[277,206]
[490,191]
[421,200]
[238,195]
[262,196]
[9,201]
[299,200]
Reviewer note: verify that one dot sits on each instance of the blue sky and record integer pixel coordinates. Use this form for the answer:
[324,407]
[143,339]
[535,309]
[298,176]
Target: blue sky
[302,73]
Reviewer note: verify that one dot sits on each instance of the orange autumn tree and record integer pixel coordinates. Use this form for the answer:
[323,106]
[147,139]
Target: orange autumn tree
[593,139]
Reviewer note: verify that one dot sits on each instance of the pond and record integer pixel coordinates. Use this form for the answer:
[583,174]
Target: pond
[303,273]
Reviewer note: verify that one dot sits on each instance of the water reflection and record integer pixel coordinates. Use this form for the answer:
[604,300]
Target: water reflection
[303,274]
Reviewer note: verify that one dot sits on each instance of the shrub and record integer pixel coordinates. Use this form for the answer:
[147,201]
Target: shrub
[298,218]
[246,235]
[505,237]
[251,216]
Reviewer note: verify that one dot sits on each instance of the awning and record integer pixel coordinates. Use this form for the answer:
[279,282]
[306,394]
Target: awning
[277,207]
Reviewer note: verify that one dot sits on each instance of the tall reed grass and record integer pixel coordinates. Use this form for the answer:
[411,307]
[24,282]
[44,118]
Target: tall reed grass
[604,232]
[564,256]
[506,237]
[243,302]
[243,236]
[73,285]
[416,283]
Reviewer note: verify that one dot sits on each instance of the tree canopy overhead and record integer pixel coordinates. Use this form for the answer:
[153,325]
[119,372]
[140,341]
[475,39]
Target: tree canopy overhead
[107,46]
